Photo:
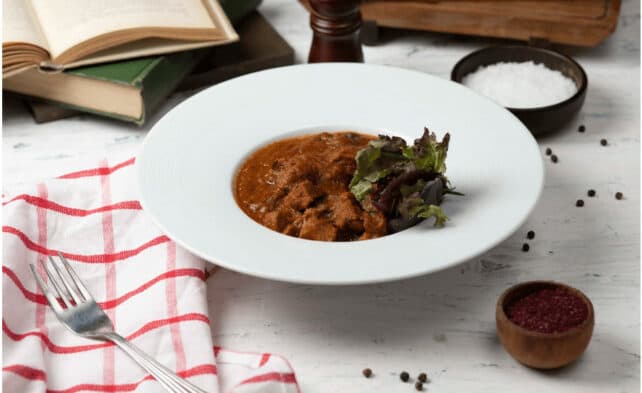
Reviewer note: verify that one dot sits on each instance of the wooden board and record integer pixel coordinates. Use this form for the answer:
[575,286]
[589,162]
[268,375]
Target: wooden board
[44,112]
[260,47]
[572,22]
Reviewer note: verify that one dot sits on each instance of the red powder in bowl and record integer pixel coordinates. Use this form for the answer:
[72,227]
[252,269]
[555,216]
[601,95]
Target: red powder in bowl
[550,310]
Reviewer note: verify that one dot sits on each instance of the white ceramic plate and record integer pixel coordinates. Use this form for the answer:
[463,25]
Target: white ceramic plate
[189,159]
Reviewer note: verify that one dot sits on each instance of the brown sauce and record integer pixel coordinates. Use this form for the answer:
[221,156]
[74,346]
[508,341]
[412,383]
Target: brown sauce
[299,186]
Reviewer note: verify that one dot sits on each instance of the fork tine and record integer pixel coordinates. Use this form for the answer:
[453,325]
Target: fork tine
[53,278]
[51,298]
[73,292]
[77,281]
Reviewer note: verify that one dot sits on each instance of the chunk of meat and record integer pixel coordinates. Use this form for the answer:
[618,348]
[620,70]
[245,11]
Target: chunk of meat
[339,171]
[317,227]
[291,230]
[294,227]
[374,224]
[294,169]
[277,219]
[301,195]
[346,213]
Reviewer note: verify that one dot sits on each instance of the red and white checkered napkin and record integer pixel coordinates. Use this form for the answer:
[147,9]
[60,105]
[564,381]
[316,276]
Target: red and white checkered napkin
[153,290]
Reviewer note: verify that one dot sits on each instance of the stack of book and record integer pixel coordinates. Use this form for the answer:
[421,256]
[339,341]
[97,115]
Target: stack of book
[122,58]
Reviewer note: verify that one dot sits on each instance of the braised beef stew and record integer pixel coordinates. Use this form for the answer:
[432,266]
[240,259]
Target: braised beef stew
[299,186]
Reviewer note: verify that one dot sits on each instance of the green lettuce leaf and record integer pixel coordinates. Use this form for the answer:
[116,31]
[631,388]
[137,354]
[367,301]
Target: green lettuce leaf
[390,156]
[374,163]
[428,211]
[429,154]
[361,189]
[412,208]
[384,171]
[406,190]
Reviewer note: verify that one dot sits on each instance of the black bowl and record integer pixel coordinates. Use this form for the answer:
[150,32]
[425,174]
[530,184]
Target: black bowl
[543,119]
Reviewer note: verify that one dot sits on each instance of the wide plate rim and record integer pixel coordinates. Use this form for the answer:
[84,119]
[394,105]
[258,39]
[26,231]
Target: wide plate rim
[345,281]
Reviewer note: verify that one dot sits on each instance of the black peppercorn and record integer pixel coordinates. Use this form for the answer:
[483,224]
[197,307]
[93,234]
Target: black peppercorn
[618,195]
[422,377]
[367,372]
[591,193]
[404,376]
[530,235]
[579,203]
[549,151]
[603,142]
[419,386]
[554,158]
[525,247]
[581,128]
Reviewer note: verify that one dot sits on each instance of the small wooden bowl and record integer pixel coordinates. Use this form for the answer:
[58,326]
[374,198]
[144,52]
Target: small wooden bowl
[539,120]
[542,350]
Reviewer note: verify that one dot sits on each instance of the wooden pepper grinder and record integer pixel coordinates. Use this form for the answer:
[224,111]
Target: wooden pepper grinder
[336,25]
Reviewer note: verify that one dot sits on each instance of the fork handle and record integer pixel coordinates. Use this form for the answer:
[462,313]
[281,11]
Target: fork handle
[168,379]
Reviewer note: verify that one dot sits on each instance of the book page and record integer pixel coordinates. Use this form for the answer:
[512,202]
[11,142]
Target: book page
[18,25]
[141,48]
[67,23]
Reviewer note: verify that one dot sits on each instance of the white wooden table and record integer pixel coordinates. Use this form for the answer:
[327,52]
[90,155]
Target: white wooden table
[443,323]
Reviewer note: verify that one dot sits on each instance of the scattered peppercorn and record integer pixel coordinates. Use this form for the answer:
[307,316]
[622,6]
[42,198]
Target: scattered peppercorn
[404,376]
[530,235]
[422,377]
[618,195]
[419,386]
[591,193]
[554,158]
[549,151]
[581,128]
[603,142]
[525,247]
[579,203]
[367,372]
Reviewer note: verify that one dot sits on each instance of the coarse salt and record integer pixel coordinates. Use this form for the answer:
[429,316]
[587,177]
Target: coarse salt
[521,85]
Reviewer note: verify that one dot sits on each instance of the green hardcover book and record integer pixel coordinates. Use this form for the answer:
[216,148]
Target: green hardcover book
[127,90]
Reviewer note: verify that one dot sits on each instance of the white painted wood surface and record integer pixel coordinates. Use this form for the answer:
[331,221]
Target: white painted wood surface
[443,323]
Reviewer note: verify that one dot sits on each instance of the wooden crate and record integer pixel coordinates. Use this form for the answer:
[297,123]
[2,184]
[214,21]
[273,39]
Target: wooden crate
[572,22]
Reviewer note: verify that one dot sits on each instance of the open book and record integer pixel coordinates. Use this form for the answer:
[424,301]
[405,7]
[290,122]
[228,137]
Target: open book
[58,34]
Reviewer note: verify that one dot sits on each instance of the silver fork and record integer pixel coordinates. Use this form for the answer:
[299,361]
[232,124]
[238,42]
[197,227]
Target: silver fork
[83,316]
